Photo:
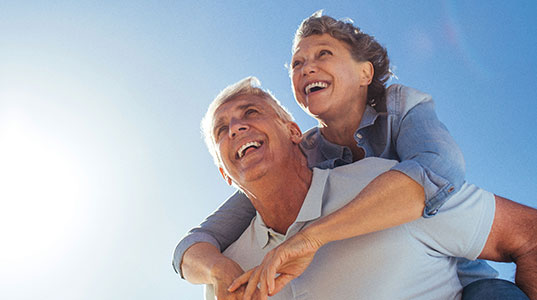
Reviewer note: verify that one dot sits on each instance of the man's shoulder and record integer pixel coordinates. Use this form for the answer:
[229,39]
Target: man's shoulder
[364,168]
[345,182]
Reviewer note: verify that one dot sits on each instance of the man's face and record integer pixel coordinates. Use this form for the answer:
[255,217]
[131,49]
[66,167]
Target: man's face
[250,138]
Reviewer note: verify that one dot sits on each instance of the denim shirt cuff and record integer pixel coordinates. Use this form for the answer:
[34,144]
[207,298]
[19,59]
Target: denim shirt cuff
[187,242]
[437,189]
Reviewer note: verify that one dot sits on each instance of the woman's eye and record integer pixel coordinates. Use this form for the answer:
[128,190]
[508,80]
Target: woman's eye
[325,52]
[295,64]
[250,111]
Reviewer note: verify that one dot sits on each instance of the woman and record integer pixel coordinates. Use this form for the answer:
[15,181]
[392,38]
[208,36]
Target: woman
[338,75]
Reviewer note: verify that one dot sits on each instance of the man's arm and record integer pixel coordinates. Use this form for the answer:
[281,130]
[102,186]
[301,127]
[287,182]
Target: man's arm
[513,238]
[204,264]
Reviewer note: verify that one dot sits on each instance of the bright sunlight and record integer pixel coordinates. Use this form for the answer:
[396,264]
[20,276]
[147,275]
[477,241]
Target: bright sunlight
[38,195]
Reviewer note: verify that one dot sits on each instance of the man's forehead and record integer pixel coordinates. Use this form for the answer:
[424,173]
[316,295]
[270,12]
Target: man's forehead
[239,103]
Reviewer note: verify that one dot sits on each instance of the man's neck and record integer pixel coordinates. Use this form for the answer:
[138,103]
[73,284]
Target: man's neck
[279,195]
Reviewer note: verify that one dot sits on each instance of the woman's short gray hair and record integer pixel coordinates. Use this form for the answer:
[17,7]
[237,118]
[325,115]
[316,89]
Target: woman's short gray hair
[247,86]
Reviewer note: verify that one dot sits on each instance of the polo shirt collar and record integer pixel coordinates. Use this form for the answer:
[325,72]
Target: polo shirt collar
[261,231]
[311,209]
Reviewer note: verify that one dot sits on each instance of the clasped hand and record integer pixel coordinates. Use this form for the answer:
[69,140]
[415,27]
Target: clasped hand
[281,265]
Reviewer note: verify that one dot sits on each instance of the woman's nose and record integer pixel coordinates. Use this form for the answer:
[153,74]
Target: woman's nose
[309,68]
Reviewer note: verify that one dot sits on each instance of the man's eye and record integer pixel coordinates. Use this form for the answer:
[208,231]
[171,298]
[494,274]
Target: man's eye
[295,64]
[221,130]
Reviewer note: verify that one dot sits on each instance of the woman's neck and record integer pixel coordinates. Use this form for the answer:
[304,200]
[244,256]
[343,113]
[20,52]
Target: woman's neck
[341,131]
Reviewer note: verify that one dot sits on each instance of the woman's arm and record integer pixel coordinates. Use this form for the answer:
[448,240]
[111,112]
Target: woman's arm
[204,264]
[427,152]
[220,229]
[389,200]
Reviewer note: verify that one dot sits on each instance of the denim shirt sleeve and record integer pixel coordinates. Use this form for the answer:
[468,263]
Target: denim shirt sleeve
[428,154]
[221,228]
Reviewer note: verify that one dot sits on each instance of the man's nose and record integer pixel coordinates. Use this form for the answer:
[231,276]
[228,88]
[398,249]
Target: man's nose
[236,127]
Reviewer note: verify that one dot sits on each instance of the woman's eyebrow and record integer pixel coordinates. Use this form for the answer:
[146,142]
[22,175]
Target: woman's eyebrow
[320,44]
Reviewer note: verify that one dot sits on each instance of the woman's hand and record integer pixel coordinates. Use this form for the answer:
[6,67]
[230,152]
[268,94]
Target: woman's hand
[289,260]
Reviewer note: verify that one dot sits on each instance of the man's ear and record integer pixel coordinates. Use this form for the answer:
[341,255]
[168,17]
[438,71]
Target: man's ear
[226,178]
[296,133]
[366,73]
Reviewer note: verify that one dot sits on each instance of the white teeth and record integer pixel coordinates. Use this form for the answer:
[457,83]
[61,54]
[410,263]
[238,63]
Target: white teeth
[240,152]
[319,84]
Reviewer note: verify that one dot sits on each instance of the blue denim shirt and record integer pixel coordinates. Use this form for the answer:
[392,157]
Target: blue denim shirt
[404,127]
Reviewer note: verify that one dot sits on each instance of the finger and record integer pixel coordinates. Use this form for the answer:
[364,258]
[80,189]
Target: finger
[263,296]
[239,281]
[263,288]
[257,295]
[252,284]
[280,283]
[270,273]
[239,293]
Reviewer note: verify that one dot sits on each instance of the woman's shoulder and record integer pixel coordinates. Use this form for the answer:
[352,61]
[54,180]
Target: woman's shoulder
[400,98]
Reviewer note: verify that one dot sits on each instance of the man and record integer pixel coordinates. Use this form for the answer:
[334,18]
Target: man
[256,146]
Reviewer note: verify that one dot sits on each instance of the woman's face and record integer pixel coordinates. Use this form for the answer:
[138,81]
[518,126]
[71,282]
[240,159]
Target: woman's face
[327,81]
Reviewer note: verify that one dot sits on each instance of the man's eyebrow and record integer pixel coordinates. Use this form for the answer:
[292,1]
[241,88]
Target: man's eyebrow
[246,106]
[218,122]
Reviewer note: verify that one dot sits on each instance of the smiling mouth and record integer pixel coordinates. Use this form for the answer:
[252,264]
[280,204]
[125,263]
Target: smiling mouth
[315,86]
[244,148]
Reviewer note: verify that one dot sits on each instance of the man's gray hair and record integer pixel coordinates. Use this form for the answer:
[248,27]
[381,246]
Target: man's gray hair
[247,86]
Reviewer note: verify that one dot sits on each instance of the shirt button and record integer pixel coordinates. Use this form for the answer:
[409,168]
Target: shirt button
[359,136]
[451,189]
[434,212]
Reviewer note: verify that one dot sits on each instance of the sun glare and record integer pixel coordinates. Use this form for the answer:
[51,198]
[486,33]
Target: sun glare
[38,195]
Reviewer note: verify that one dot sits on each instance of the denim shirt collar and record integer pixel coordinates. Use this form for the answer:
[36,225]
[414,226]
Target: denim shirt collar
[324,154]
[368,118]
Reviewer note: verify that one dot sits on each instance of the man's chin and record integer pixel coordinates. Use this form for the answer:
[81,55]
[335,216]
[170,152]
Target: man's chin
[253,173]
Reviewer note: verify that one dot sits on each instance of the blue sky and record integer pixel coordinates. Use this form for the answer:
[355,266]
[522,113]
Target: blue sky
[102,166]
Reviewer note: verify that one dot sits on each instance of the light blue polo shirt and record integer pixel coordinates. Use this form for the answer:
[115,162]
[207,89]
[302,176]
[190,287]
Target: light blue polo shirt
[411,261]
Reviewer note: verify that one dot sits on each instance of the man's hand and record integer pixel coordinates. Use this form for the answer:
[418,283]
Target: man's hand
[289,260]
[204,264]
